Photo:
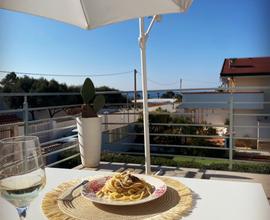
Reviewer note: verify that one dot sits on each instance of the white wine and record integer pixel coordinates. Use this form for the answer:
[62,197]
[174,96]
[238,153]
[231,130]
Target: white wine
[22,173]
[20,190]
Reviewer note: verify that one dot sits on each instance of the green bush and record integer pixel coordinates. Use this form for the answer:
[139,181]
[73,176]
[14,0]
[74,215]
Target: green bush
[251,168]
[200,163]
[68,163]
[165,117]
[177,161]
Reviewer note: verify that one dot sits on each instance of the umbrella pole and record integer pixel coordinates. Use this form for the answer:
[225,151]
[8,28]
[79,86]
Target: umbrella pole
[142,44]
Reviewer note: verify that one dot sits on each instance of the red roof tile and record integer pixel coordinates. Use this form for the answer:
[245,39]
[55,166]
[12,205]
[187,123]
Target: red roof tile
[246,66]
[8,119]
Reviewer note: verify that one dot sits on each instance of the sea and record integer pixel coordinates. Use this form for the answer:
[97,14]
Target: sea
[151,94]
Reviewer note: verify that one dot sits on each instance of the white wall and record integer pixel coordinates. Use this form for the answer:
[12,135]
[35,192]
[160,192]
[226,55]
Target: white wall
[213,100]
[206,107]
[258,81]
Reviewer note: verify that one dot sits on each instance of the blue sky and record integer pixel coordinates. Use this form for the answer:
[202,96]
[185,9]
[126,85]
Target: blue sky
[191,45]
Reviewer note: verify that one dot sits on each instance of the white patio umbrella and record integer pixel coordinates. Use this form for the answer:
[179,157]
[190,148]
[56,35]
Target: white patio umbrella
[89,14]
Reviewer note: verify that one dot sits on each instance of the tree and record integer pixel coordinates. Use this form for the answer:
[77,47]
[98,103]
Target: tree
[168,94]
[112,98]
[181,126]
[12,83]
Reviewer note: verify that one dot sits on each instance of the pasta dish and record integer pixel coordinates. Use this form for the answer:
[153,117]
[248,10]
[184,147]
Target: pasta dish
[125,187]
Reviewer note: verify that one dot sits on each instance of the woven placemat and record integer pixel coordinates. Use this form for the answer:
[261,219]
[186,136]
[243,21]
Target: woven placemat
[174,204]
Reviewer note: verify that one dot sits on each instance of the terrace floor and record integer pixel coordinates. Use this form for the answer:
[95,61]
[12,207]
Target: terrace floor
[188,173]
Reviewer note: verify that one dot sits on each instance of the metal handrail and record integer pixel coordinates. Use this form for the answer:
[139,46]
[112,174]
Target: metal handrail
[60,150]
[230,89]
[177,146]
[12,124]
[229,106]
[58,140]
[63,160]
[54,129]
[174,135]
[169,124]
[53,107]
[54,118]
[251,114]
[11,111]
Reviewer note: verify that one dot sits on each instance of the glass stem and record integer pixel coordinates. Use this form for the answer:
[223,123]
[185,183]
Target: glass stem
[22,212]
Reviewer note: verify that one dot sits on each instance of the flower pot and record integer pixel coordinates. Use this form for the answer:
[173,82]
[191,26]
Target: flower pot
[89,136]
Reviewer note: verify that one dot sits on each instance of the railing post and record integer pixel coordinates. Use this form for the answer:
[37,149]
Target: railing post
[106,120]
[258,135]
[231,132]
[25,115]
[127,110]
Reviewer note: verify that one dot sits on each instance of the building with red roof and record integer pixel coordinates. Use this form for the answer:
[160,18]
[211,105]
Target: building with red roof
[253,71]
[9,126]
[256,66]
[251,100]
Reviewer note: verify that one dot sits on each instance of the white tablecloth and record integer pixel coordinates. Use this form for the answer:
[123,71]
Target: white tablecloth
[217,200]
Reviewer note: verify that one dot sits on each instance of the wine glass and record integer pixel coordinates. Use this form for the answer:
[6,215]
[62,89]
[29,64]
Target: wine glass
[22,173]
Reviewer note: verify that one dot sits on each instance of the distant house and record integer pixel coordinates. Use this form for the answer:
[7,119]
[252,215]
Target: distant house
[246,72]
[251,105]
[10,126]
[251,72]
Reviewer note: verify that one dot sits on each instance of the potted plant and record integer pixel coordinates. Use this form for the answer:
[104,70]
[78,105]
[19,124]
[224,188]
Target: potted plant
[89,125]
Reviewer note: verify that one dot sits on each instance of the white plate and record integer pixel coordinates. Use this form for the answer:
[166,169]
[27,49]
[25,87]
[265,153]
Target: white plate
[90,189]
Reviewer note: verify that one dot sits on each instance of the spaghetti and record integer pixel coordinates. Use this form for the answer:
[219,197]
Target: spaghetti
[125,187]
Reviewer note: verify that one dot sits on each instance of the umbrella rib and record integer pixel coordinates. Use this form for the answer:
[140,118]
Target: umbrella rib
[183,6]
[85,16]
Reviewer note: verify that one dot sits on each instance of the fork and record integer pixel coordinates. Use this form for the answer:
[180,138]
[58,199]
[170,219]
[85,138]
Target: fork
[67,200]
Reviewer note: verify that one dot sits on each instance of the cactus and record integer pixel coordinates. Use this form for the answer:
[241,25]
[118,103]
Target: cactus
[92,102]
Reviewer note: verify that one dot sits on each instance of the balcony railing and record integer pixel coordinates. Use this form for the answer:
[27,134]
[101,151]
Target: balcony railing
[249,125]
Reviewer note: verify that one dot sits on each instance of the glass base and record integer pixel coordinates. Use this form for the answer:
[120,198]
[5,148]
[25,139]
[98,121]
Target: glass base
[22,212]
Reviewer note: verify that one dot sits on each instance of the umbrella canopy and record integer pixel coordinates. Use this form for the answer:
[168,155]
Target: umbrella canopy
[89,14]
